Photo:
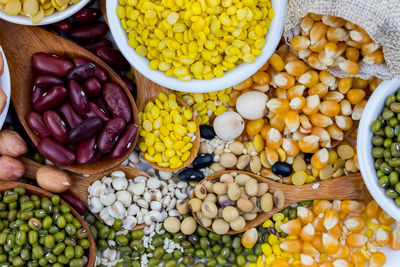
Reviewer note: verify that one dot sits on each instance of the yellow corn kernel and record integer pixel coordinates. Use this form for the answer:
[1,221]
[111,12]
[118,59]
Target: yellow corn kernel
[272,239]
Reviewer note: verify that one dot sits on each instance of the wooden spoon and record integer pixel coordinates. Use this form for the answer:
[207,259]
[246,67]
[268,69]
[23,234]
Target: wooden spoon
[33,190]
[20,43]
[148,91]
[346,187]
[80,184]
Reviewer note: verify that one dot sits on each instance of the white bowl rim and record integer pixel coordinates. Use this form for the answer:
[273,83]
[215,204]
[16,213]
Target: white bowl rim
[5,82]
[53,18]
[371,111]
[231,78]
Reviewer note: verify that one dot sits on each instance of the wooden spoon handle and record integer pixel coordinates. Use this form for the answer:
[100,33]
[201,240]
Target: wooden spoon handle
[32,166]
[146,89]
[347,187]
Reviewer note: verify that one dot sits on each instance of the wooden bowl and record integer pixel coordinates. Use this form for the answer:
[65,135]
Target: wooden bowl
[346,187]
[20,43]
[33,190]
[80,184]
[149,91]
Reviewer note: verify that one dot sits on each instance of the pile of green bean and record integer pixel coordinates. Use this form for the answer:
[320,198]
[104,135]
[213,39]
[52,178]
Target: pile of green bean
[386,147]
[38,231]
[201,249]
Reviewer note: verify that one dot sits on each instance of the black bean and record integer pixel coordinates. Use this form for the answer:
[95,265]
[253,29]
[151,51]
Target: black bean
[307,157]
[207,132]
[282,169]
[202,161]
[190,174]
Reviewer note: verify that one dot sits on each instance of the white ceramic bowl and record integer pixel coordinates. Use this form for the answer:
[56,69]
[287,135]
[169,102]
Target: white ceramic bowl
[5,83]
[231,78]
[364,145]
[55,17]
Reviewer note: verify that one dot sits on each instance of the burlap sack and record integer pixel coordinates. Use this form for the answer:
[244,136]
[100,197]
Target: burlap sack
[380,19]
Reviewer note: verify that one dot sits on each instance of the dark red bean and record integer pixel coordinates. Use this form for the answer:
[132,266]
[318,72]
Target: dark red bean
[70,115]
[92,46]
[100,74]
[77,97]
[56,152]
[51,64]
[92,86]
[64,25]
[36,93]
[47,81]
[95,111]
[82,72]
[89,32]
[87,15]
[79,61]
[109,134]
[131,86]
[74,201]
[56,126]
[51,99]
[125,141]
[102,105]
[117,101]
[87,129]
[86,150]
[113,57]
[35,121]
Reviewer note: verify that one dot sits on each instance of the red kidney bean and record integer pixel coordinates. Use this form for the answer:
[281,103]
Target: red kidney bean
[56,152]
[70,115]
[74,202]
[82,72]
[87,15]
[64,25]
[109,134]
[87,129]
[77,97]
[125,141]
[102,105]
[85,152]
[92,86]
[79,61]
[36,93]
[89,32]
[47,81]
[51,64]
[56,126]
[113,57]
[51,99]
[131,86]
[95,111]
[100,74]
[35,121]
[92,46]
[117,101]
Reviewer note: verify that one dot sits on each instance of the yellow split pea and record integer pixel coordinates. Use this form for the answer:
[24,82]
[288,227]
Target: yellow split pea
[199,39]
[166,132]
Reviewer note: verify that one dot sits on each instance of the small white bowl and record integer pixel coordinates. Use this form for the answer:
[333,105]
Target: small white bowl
[371,112]
[5,83]
[53,18]
[231,78]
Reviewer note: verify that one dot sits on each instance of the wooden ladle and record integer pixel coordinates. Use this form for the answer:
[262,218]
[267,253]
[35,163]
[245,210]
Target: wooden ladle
[19,44]
[346,187]
[80,184]
[148,91]
[33,190]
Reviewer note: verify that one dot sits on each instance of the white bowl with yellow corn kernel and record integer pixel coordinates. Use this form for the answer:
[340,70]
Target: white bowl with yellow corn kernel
[371,112]
[199,58]
[39,12]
